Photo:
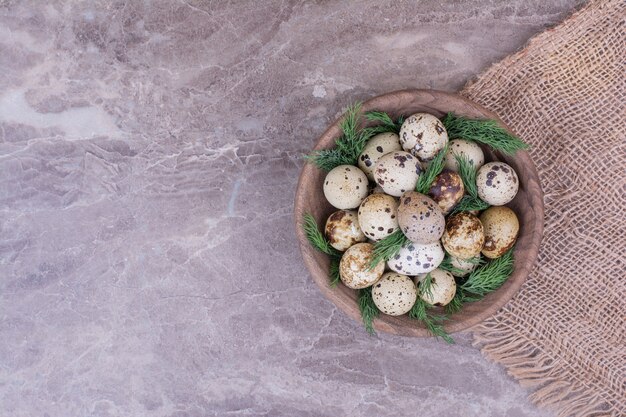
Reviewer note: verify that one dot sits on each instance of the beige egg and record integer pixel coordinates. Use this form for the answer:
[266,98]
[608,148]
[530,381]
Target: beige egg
[397,172]
[394,294]
[345,187]
[447,190]
[442,289]
[354,267]
[464,266]
[378,216]
[377,190]
[415,258]
[343,230]
[423,135]
[420,218]
[497,183]
[501,228]
[463,236]
[470,150]
[376,147]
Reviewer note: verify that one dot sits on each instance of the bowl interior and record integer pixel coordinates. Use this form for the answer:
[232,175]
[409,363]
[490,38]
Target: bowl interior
[528,205]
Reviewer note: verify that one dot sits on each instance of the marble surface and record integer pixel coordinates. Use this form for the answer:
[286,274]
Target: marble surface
[149,152]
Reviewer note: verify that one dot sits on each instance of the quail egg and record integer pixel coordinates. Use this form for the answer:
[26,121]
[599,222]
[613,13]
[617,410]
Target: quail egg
[415,258]
[501,228]
[397,172]
[442,288]
[378,216]
[394,294]
[497,183]
[447,190]
[470,150]
[343,230]
[376,147]
[463,266]
[463,236]
[420,218]
[354,267]
[423,135]
[345,187]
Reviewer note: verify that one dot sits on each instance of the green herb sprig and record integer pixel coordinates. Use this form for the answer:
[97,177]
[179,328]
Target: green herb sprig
[488,132]
[368,309]
[317,238]
[470,201]
[457,302]
[388,247]
[384,123]
[446,264]
[489,277]
[426,179]
[420,311]
[348,147]
[333,272]
[319,242]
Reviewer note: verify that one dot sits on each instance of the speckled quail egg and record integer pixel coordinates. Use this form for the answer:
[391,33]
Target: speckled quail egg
[447,190]
[464,236]
[470,150]
[345,187]
[397,172]
[394,294]
[343,230]
[464,266]
[377,190]
[420,218]
[415,258]
[376,147]
[423,135]
[497,183]
[378,216]
[501,227]
[442,289]
[354,267]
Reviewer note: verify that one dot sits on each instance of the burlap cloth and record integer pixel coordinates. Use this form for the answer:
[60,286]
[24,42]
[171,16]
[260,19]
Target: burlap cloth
[563,334]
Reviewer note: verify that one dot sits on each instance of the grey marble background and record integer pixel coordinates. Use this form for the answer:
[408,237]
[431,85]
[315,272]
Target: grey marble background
[149,152]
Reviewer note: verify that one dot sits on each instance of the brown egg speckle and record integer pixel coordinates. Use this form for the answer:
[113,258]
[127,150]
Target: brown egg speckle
[463,236]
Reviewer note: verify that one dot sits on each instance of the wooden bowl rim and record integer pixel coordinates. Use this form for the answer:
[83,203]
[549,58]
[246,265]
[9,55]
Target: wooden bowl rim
[458,322]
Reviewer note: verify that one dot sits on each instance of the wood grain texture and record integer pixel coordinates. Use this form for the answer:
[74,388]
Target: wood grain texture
[528,205]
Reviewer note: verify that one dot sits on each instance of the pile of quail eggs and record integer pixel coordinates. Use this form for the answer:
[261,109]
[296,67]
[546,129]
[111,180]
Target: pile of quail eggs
[378,197]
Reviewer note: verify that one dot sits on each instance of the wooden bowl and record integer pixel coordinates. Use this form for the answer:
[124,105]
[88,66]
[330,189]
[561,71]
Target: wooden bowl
[528,205]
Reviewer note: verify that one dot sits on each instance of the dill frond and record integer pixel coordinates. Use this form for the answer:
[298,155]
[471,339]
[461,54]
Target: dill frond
[483,131]
[317,238]
[368,309]
[489,277]
[426,179]
[471,201]
[420,312]
[334,272]
[388,247]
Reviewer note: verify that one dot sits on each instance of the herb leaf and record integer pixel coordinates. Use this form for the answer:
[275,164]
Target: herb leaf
[385,123]
[471,201]
[388,247]
[489,277]
[456,304]
[425,286]
[488,132]
[368,309]
[426,179]
[348,147]
[316,238]
[334,272]
[420,312]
